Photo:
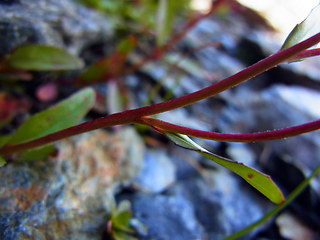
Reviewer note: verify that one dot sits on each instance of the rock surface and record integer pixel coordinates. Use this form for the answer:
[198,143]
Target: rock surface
[53,22]
[177,194]
[157,174]
[68,196]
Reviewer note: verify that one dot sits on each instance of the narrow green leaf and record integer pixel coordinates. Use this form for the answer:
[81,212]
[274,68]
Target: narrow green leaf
[307,28]
[2,161]
[121,221]
[62,115]
[43,58]
[4,139]
[94,72]
[166,13]
[119,235]
[122,215]
[298,190]
[38,153]
[262,182]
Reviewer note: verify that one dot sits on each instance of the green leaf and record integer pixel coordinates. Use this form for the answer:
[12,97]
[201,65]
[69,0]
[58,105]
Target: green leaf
[62,115]
[307,28]
[295,193]
[166,13]
[94,72]
[118,235]
[262,182]
[2,161]
[127,45]
[121,221]
[4,139]
[43,58]
[121,217]
[36,153]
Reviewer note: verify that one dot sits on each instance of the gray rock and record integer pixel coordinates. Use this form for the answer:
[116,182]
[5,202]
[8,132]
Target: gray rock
[69,196]
[59,23]
[166,217]
[195,209]
[157,174]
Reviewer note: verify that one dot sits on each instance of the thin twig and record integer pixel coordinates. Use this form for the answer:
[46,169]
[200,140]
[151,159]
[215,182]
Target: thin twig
[135,115]
[241,137]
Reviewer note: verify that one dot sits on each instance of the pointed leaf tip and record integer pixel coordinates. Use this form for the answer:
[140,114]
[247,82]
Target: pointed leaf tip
[60,116]
[307,28]
[260,181]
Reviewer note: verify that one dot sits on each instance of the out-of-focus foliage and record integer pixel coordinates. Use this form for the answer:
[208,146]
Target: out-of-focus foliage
[140,15]
[109,66]
[62,115]
[119,224]
[166,13]
[43,58]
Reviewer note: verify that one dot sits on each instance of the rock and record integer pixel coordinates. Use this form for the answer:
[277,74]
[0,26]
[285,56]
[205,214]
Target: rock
[293,228]
[192,208]
[241,152]
[69,196]
[61,23]
[157,174]
[289,106]
[166,217]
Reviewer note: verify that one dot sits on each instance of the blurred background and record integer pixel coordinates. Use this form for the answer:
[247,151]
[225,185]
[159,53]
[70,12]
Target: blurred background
[130,182]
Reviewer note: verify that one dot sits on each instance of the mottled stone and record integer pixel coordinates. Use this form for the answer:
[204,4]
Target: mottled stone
[60,23]
[69,196]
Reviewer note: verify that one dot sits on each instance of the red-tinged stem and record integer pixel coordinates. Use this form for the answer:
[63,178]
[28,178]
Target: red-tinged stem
[250,72]
[225,137]
[307,53]
[160,50]
[135,115]
[176,38]
[126,117]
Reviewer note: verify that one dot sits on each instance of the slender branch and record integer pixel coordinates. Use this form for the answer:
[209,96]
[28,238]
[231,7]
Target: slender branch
[226,137]
[246,74]
[307,54]
[135,115]
[108,121]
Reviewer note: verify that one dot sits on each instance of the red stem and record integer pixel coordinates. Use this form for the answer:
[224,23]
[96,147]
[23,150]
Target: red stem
[135,115]
[160,50]
[225,137]
[307,53]
[250,72]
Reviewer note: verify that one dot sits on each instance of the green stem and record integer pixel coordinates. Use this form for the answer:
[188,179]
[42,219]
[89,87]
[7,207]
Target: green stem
[277,209]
